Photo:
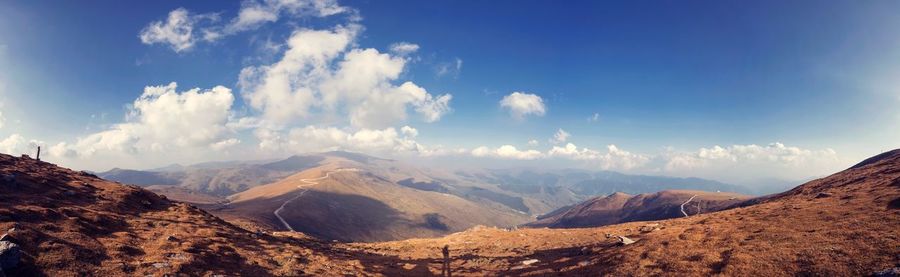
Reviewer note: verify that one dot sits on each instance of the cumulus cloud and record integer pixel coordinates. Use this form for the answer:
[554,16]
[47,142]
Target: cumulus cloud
[224,144]
[613,159]
[733,163]
[161,120]
[16,145]
[387,141]
[321,71]
[775,159]
[177,30]
[533,142]
[507,152]
[560,136]
[521,104]
[409,131]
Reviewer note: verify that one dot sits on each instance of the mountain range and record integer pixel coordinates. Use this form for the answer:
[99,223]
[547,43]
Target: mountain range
[391,199]
[62,222]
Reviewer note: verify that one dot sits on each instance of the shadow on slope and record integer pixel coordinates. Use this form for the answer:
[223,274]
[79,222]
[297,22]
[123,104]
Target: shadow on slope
[348,217]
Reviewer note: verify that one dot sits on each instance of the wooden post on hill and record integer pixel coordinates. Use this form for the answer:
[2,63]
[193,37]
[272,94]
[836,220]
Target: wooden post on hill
[445,269]
[39,153]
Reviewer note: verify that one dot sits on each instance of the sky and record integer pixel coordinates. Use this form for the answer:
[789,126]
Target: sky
[727,90]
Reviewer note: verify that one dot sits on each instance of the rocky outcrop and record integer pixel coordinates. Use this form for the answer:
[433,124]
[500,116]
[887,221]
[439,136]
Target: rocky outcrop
[10,253]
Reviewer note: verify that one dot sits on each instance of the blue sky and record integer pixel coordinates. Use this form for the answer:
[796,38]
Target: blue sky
[720,89]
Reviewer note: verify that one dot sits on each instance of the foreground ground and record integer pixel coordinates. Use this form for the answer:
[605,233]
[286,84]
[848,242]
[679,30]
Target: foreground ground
[73,224]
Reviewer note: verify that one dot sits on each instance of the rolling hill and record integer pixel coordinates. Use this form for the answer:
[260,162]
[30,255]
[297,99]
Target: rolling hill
[396,200]
[214,179]
[620,207]
[364,200]
[72,223]
[544,191]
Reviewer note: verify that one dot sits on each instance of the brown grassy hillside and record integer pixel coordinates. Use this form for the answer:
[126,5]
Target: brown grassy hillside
[70,223]
[362,206]
[73,224]
[842,225]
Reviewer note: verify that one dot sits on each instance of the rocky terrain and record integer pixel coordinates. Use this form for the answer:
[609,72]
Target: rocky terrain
[59,222]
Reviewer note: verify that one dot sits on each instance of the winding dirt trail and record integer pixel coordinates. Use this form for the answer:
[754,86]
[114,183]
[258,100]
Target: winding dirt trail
[685,202]
[307,183]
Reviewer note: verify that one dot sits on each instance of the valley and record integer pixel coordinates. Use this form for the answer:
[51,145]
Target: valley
[405,201]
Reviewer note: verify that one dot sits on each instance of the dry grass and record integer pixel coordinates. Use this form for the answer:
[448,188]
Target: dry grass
[72,224]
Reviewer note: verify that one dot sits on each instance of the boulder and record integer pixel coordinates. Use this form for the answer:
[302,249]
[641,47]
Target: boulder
[649,227]
[10,253]
[530,261]
[625,241]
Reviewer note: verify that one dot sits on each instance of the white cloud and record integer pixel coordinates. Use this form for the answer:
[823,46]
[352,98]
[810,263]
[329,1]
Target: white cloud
[533,142]
[613,159]
[616,158]
[507,152]
[182,30]
[452,68]
[752,161]
[62,150]
[177,31]
[225,144]
[256,13]
[16,145]
[409,131]
[320,71]
[594,118]
[404,48]
[385,141]
[560,136]
[162,120]
[521,104]
[734,163]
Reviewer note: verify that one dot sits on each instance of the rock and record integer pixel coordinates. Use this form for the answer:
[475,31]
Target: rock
[625,241]
[890,272]
[171,238]
[823,195]
[10,253]
[69,193]
[649,228]
[161,265]
[530,261]
[586,251]
[176,256]
[584,263]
